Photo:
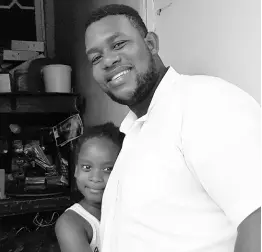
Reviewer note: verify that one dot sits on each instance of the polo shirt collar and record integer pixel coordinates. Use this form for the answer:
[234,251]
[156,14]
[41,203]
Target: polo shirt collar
[170,76]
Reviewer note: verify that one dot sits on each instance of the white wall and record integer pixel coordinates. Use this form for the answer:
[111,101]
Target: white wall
[219,38]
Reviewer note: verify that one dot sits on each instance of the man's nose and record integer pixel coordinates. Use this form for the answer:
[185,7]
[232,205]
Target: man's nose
[110,59]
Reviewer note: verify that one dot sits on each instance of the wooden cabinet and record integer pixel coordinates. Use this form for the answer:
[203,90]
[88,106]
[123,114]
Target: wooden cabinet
[34,115]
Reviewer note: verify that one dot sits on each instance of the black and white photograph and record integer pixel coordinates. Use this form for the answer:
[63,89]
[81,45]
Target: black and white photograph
[130,126]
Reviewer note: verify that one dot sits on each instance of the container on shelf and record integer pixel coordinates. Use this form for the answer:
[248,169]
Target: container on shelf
[57,78]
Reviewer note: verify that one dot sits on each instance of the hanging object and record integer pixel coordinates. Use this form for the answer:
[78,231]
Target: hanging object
[16,3]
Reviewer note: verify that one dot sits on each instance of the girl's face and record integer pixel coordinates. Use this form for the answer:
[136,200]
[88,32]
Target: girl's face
[96,159]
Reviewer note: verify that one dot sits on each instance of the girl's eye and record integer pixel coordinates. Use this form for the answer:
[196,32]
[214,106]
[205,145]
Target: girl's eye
[86,167]
[95,60]
[108,169]
[119,45]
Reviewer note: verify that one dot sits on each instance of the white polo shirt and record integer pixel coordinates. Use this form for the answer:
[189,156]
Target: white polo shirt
[189,170]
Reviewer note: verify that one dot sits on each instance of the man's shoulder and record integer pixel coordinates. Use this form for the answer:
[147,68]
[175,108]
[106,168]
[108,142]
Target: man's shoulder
[205,82]
[211,88]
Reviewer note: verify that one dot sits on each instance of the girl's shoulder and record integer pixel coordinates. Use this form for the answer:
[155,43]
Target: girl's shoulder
[76,222]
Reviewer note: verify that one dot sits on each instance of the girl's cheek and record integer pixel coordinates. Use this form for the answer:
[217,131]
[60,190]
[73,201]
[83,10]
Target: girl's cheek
[82,177]
[106,177]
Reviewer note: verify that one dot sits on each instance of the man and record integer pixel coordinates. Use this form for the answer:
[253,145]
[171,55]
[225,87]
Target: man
[188,176]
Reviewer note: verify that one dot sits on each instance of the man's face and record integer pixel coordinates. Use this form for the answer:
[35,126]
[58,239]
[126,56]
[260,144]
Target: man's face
[122,63]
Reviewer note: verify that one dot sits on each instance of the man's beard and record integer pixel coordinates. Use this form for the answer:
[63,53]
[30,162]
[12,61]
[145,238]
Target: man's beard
[145,83]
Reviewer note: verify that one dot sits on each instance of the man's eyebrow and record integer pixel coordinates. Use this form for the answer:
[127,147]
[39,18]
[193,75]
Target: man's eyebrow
[108,40]
[92,50]
[114,36]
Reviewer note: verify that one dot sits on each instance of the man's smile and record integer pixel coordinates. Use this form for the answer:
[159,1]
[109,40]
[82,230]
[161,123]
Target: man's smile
[119,78]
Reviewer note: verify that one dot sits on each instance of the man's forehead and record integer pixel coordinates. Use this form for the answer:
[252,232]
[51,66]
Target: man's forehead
[109,24]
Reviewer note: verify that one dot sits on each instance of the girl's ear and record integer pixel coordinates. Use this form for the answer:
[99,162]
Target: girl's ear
[152,42]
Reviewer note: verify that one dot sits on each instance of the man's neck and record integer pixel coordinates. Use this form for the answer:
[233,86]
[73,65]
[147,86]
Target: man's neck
[141,108]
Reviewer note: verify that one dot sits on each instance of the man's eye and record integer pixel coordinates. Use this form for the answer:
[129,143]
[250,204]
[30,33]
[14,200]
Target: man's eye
[95,60]
[119,45]
[108,169]
[86,167]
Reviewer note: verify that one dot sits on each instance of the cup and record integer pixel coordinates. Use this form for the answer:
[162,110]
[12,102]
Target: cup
[57,78]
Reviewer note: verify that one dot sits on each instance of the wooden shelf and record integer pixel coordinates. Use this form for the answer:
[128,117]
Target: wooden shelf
[39,94]
[34,112]
[37,204]
[25,102]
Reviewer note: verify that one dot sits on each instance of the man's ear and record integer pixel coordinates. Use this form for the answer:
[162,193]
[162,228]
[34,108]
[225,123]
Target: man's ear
[151,40]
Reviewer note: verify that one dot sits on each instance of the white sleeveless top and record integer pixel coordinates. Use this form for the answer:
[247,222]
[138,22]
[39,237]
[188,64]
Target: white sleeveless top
[93,221]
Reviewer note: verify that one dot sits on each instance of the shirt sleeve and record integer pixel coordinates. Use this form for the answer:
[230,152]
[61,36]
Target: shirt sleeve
[221,138]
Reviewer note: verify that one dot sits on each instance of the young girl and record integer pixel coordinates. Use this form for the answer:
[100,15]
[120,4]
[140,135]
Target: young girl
[77,229]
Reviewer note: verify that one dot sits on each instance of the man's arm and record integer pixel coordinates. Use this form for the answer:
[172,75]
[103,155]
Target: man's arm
[249,233]
[224,148]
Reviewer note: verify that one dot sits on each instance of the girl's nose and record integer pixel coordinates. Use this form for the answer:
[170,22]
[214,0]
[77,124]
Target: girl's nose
[96,176]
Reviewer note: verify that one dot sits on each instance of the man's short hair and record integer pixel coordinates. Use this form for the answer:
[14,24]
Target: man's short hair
[119,9]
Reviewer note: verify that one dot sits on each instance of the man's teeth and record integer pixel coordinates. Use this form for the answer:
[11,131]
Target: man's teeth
[120,74]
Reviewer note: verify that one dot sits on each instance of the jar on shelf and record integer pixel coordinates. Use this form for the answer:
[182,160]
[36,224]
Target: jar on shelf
[20,79]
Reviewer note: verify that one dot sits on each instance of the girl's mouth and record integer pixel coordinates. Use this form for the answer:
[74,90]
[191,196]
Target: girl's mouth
[94,190]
